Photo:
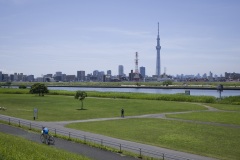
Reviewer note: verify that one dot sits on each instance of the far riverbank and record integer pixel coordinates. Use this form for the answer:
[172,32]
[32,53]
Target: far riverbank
[152,87]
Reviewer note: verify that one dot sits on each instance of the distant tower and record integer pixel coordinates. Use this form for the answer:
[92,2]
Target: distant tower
[142,71]
[136,76]
[120,70]
[158,48]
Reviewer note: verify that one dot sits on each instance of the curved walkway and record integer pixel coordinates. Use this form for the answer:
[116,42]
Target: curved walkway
[162,116]
[60,126]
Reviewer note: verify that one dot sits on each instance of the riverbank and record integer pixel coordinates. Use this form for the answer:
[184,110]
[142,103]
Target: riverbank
[126,84]
[152,87]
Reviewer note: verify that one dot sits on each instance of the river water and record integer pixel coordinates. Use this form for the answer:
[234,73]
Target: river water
[205,92]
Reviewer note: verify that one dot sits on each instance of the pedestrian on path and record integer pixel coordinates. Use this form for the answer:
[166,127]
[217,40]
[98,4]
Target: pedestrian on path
[122,113]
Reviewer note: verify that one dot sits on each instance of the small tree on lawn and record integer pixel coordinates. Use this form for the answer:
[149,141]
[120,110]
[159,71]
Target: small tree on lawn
[38,88]
[81,96]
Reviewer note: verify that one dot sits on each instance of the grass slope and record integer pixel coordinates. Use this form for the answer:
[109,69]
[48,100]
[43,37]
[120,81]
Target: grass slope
[17,148]
[214,141]
[226,107]
[218,117]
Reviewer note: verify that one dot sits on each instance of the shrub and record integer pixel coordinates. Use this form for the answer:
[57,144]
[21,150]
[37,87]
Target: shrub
[22,87]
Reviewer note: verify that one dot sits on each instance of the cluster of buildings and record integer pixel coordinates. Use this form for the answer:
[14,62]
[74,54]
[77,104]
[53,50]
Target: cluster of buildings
[138,74]
[101,76]
[81,76]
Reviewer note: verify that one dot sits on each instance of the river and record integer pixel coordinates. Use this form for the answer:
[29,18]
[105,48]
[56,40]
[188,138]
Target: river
[196,92]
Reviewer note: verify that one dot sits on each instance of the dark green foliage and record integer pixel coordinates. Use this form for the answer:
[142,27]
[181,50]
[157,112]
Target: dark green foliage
[8,84]
[22,87]
[167,83]
[164,97]
[81,96]
[39,88]
[230,100]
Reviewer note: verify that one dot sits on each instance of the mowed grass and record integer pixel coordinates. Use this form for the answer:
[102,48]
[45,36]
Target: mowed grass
[218,117]
[226,107]
[61,108]
[17,148]
[207,140]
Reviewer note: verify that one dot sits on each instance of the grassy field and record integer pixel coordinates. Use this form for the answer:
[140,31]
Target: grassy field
[218,117]
[61,108]
[214,141]
[226,107]
[17,148]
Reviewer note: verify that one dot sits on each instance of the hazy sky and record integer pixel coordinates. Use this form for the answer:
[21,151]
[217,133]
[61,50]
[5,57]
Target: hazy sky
[44,36]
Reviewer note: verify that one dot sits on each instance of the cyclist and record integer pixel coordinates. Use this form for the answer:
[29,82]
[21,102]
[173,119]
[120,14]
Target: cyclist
[45,133]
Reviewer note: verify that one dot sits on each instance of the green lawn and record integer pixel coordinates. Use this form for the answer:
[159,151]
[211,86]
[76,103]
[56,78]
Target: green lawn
[17,148]
[60,108]
[214,141]
[227,107]
[218,117]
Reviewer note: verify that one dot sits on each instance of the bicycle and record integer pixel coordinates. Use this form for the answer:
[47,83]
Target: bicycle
[50,139]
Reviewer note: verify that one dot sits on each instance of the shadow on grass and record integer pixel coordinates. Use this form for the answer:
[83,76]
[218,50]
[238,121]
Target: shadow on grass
[79,109]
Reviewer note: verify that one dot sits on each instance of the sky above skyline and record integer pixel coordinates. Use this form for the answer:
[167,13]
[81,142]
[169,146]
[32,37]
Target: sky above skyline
[41,36]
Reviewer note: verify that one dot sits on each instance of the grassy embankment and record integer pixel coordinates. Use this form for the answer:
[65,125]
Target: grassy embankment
[149,84]
[163,97]
[214,141]
[207,140]
[17,148]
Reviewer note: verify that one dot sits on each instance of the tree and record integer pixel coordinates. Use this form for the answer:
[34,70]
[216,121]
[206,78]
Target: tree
[81,96]
[166,83]
[38,88]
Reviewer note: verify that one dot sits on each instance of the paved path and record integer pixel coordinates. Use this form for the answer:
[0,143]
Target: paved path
[161,116]
[127,145]
[85,150]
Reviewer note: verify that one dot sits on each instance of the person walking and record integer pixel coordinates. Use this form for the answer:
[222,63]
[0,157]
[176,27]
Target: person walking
[122,113]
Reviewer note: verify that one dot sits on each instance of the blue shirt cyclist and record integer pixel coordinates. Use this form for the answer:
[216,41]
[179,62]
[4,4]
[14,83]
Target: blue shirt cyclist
[45,133]
[45,130]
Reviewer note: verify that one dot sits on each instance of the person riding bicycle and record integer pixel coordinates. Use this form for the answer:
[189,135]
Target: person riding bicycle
[45,133]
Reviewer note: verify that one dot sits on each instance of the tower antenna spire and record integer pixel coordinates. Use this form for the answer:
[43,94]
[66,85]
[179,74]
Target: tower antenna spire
[158,48]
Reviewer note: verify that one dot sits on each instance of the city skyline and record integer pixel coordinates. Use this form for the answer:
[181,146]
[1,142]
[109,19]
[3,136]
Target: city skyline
[41,37]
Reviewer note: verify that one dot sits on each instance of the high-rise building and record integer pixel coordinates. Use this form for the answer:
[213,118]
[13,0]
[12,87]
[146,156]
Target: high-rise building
[20,76]
[158,48]
[15,77]
[80,75]
[59,76]
[109,72]
[142,71]
[1,77]
[120,70]
[30,78]
[95,73]
[5,77]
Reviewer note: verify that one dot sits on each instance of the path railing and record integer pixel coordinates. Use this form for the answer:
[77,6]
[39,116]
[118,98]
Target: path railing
[88,139]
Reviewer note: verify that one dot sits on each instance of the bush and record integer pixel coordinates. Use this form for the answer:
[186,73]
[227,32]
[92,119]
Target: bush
[230,100]
[22,87]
